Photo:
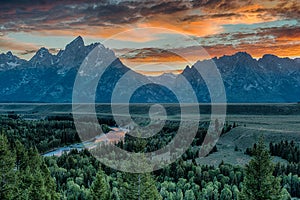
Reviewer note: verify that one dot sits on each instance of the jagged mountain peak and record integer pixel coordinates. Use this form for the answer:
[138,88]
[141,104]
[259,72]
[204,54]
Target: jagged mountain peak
[43,49]
[76,43]
[237,56]
[242,54]
[187,68]
[42,52]
[75,52]
[276,64]
[78,38]
[42,58]
[9,54]
[9,61]
[50,78]
[269,56]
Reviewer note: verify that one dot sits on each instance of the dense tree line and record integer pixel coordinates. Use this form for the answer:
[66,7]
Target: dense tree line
[181,180]
[286,150]
[58,131]
[78,175]
[42,134]
[45,135]
[168,132]
[24,174]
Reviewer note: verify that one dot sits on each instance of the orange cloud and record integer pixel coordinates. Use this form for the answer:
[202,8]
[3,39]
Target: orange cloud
[169,57]
[151,55]
[125,21]
[8,44]
[257,50]
[158,72]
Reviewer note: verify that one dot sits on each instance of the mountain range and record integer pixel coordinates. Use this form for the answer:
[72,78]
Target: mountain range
[50,78]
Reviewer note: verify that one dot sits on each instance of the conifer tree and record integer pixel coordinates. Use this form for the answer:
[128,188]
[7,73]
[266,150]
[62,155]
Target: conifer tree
[34,179]
[259,183]
[50,184]
[7,172]
[21,156]
[115,194]
[226,193]
[37,189]
[139,186]
[100,187]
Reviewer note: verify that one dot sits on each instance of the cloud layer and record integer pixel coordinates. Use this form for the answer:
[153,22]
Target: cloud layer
[221,26]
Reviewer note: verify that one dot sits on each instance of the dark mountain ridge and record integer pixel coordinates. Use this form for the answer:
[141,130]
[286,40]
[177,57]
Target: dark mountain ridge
[50,78]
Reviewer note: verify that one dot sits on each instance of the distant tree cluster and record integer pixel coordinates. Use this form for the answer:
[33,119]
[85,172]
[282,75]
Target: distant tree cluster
[45,135]
[42,134]
[228,126]
[286,150]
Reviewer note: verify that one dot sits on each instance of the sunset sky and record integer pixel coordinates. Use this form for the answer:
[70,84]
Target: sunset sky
[145,27]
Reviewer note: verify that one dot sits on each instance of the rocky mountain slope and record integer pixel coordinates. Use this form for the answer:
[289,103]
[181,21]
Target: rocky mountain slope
[50,78]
